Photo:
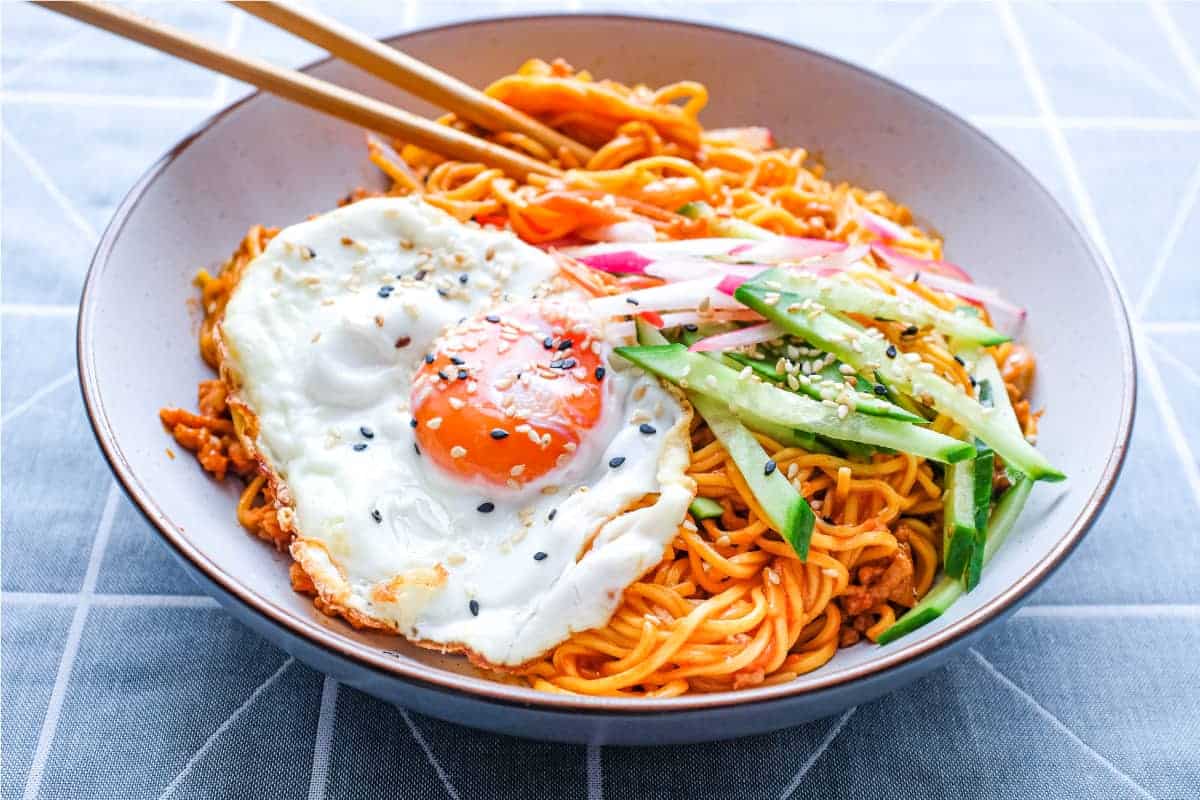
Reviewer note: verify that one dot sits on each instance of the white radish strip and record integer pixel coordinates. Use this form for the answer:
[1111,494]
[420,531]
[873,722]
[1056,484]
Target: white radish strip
[682,269]
[786,248]
[653,251]
[628,231]
[882,227]
[624,330]
[739,338]
[682,296]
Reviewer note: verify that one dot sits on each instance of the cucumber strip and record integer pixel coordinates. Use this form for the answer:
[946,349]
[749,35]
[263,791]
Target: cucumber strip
[854,298]
[983,467]
[648,334]
[696,209]
[869,354]
[786,508]
[987,374]
[705,508]
[947,589]
[789,437]
[754,401]
[958,527]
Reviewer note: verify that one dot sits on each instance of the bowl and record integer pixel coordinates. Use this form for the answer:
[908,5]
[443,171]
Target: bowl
[265,160]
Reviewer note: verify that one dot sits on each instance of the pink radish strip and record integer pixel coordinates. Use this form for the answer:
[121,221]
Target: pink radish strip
[904,263]
[621,330]
[620,262]
[682,296]
[628,231]
[739,338]
[730,283]
[882,227]
[972,293]
[786,248]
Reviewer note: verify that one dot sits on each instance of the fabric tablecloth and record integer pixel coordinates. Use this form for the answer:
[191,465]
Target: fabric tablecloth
[119,680]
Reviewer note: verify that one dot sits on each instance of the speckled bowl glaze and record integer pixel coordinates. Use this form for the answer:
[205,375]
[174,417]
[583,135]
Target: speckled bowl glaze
[264,160]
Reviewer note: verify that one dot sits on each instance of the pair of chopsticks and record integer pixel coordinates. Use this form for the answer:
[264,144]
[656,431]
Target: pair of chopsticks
[364,52]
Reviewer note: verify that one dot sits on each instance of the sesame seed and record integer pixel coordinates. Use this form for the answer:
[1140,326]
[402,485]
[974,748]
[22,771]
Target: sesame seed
[366,432]
[360,446]
[429,358]
[691,327]
[403,341]
[553,513]
[632,301]
[492,318]
[486,507]
[793,470]
[412,423]
[499,433]
[843,410]
[891,351]
[647,429]
[517,470]
[442,292]
[911,330]
[539,556]
[599,373]
[456,361]
[416,448]
[846,369]
[309,253]
[474,607]
[463,374]
[376,515]
[768,467]
[434,423]
[613,463]
[420,275]
[456,404]
[441,373]
[385,291]
[961,363]
[548,343]
[458,451]
[881,390]
[463,278]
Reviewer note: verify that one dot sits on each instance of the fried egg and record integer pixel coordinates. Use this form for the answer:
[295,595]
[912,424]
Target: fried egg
[458,457]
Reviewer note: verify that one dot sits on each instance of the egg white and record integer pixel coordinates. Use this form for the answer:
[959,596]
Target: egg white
[322,362]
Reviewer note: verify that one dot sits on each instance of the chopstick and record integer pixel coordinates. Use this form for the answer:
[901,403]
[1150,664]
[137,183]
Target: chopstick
[303,89]
[410,74]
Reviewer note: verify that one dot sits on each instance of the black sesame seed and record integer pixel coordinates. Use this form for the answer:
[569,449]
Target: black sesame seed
[385,291]
[360,446]
[548,343]
[911,330]
[961,363]
[565,344]
[553,513]
[463,374]
[768,467]
[309,252]
[366,432]
[492,318]
[599,373]
[442,374]
[880,389]
[463,278]
[916,277]
[632,301]
[403,341]
[971,378]
[891,351]
[375,515]
[458,362]
[691,327]
[647,428]
[429,358]
[539,556]
[416,448]
[556,364]
[486,507]
[412,423]
[613,463]
[499,433]
[419,275]
[443,293]
[569,363]
[474,606]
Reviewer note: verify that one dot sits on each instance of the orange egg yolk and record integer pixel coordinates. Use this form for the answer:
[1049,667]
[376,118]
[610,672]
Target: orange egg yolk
[506,398]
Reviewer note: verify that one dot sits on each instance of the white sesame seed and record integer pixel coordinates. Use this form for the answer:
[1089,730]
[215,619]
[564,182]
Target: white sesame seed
[517,470]
[458,451]
[434,423]
[846,369]
[842,411]
[456,404]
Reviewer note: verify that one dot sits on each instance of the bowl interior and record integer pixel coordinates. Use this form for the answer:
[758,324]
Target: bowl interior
[268,161]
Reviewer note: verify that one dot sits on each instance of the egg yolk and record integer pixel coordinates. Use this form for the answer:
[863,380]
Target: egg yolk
[506,398]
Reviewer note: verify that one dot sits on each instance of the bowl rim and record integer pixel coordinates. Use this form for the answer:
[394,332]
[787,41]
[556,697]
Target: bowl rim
[494,691]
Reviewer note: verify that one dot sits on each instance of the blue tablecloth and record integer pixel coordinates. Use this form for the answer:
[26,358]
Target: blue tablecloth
[120,681]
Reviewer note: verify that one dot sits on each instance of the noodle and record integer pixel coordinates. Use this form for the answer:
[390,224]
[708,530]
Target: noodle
[730,605]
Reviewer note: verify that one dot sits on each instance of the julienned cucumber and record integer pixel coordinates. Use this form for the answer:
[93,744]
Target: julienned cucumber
[814,385]
[753,400]
[869,354]
[947,589]
[785,507]
[723,227]
[984,467]
[958,527]
[854,298]
[705,508]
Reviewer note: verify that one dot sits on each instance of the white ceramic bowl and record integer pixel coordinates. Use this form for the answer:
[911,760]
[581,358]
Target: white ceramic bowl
[264,160]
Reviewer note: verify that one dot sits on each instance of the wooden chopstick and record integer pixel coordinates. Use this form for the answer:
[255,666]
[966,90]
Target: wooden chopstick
[410,74]
[303,89]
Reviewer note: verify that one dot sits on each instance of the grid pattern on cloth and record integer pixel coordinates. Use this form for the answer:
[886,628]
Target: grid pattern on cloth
[121,681]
